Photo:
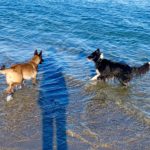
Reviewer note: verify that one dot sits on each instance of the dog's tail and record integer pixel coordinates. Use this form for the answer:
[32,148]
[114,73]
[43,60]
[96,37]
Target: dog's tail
[141,70]
[2,70]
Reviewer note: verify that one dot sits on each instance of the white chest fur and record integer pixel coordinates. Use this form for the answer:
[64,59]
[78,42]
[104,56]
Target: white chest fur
[96,76]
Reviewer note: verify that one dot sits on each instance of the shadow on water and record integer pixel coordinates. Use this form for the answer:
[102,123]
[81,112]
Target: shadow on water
[53,100]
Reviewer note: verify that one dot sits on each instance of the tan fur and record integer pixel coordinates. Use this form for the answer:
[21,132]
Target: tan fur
[19,72]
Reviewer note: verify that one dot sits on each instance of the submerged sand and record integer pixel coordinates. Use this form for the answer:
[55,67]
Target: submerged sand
[96,124]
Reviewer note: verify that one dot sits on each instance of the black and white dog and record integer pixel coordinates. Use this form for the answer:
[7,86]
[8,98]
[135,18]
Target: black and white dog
[106,69]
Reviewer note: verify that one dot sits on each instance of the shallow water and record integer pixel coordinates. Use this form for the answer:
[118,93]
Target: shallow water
[64,99]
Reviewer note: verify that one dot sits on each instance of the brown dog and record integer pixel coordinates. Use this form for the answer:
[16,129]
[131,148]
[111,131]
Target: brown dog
[19,72]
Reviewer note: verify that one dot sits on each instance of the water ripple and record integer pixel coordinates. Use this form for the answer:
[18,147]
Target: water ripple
[67,32]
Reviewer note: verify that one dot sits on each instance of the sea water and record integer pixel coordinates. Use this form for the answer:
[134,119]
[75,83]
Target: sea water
[67,32]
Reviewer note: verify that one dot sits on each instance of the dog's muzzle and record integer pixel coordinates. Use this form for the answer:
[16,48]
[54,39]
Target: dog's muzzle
[89,58]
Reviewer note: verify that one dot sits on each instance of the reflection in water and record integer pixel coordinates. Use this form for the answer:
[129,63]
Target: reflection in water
[53,101]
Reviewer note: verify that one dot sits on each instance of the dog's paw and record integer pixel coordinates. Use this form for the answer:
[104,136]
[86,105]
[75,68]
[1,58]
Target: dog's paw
[19,87]
[93,79]
[9,97]
[34,84]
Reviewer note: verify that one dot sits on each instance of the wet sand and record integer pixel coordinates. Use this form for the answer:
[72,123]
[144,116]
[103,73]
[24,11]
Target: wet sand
[110,128]
[106,124]
[20,121]
[96,124]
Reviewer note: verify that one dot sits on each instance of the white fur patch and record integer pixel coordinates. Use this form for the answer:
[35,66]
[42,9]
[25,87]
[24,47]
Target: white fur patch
[97,72]
[102,56]
[149,63]
[27,78]
[9,98]
[19,87]
[96,76]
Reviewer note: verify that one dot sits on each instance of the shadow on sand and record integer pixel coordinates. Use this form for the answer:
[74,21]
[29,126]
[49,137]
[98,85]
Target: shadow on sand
[53,100]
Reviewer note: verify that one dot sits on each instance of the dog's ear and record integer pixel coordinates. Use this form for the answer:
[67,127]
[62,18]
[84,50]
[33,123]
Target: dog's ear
[40,54]
[98,51]
[35,52]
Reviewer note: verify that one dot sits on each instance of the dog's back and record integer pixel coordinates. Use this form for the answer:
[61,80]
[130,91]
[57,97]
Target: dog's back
[108,67]
[27,70]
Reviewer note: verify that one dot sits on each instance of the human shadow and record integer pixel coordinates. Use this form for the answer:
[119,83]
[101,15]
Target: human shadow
[53,100]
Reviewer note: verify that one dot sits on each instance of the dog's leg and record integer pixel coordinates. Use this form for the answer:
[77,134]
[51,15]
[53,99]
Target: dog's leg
[17,86]
[21,85]
[102,78]
[9,89]
[34,79]
[9,93]
[23,82]
[126,84]
[95,77]
[125,80]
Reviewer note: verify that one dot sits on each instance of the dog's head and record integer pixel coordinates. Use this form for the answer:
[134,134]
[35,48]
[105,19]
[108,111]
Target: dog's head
[95,56]
[38,57]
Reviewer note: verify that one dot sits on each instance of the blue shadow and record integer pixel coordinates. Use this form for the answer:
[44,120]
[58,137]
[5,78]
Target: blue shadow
[53,100]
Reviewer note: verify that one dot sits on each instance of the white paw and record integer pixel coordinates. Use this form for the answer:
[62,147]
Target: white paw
[149,63]
[94,78]
[19,87]
[9,98]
